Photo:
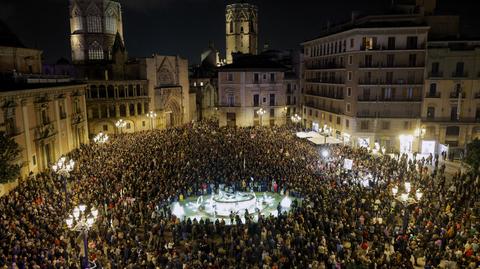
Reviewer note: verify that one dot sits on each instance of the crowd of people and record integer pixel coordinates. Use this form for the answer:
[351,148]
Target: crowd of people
[340,223]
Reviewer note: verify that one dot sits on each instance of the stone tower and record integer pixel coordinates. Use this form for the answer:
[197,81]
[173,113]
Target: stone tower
[241,29]
[94,25]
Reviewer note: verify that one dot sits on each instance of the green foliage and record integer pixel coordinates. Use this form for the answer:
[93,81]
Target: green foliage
[9,152]
[473,155]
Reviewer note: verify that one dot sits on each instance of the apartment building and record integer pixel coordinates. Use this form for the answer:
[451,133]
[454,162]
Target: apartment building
[363,81]
[251,92]
[451,107]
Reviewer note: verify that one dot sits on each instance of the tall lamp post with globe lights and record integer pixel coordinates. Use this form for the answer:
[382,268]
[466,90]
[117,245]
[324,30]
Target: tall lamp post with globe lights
[296,119]
[62,168]
[120,124]
[100,138]
[260,113]
[406,199]
[151,115]
[81,220]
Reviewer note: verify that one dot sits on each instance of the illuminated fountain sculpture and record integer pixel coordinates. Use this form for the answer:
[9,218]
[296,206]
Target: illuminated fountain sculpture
[221,205]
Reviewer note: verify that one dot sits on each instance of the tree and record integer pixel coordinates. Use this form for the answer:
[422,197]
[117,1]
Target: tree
[9,153]
[473,154]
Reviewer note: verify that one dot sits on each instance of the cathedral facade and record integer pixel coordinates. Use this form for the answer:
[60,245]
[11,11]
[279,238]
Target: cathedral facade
[241,21]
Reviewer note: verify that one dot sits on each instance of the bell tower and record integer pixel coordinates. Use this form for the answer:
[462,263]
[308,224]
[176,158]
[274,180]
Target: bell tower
[241,29]
[94,25]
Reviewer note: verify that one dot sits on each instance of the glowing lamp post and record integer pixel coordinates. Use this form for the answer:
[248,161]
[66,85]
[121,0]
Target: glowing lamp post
[82,221]
[296,119]
[260,113]
[62,168]
[100,138]
[151,115]
[120,124]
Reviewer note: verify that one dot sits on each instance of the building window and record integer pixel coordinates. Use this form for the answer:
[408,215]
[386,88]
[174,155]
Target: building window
[347,123]
[369,43]
[430,112]
[350,59]
[256,100]
[231,100]
[349,75]
[389,77]
[256,78]
[95,51]
[339,120]
[454,113]
[352,42]
[105,127]
[387,93]
[412,42]
[452,131]
[385,125]
[111,25]
[272,99]
[231,27]
[143,123]
[272,77]
[364,124]
[368,60]
[128,125]
[409,93]
[435,68]
[349,91]
[94,24]
[272,113]
[412,60]
[391,43]
[459,69]
[348,107]
[390,60]
[230,77]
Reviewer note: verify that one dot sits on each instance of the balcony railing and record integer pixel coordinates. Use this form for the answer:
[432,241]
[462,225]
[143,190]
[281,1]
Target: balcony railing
[392,99]
[383,65]
[386,115]
[452,119]
[384,82]
[455,95]
[324,108]
[319,94]
[326,81]
[435,74]
[433,95]
[460,74]
[324,66]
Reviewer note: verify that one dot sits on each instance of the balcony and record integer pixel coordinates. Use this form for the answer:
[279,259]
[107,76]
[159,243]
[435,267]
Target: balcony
[325,95]
[325,81]
[421,46]
[386,115]
[324,108]
[456,95]
[324,66]
[381,82]
[386,66]
[459,74]
[44,131]
[392,99]
[433,95]
[450,119]
[435,74]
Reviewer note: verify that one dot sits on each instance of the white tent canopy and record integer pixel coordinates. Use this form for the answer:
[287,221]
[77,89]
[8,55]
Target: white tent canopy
[321,140]
[308,135]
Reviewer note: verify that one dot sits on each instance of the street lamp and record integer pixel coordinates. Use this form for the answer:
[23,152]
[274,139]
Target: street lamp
[100,138]
[296,119]
[260,113]
[81,221]
[152,115]
[120,124]
[62,168]
[285,109]
[407,198]
[420,133]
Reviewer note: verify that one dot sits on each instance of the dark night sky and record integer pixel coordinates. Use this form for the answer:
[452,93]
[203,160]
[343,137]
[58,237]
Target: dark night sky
[185,27]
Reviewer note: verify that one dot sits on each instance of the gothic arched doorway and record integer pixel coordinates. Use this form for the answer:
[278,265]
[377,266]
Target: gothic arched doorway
[173,114]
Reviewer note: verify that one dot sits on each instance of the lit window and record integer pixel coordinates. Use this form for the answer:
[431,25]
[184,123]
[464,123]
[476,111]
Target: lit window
[94,24]
[111,25]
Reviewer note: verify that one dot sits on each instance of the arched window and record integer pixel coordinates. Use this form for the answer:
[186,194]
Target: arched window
[130,91]
[123,110]
[139,108]
[111,21]
[77,20]
[241,29]
[102,92]
[121,91]
[231,27]
[111,91]
[94,24]
[93,91]
[132,109]
[95,51]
